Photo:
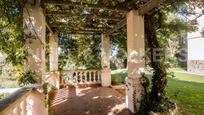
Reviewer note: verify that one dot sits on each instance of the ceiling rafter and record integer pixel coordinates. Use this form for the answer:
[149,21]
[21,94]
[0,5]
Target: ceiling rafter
[119,25]
[82,31]
[142,10]
[120,22]
[149,6]
[93,16]
[86,5]
[74,28]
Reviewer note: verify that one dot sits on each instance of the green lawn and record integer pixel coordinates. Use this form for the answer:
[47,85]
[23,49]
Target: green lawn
[8,81]
[185,89]
[189,96]
[189,77]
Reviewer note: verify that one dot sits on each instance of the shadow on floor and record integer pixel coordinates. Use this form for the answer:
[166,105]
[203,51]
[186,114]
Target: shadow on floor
[88,101]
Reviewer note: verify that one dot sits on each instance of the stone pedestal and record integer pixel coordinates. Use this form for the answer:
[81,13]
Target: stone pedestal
[106,77]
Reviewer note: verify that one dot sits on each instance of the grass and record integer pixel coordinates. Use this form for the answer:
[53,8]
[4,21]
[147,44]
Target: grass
[189,77]
[8,82]
[118,76]
[189,96]
[178,69]
[186,90]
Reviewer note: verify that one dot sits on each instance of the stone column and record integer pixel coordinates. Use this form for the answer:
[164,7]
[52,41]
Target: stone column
[53,51]
[106,72]
[35,30]
[136,61]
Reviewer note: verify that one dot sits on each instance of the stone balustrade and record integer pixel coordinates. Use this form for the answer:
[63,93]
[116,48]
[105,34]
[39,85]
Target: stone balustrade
[81,77]
[25,101]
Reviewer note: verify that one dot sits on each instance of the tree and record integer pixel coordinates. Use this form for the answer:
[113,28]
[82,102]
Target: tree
[80,51]
[158,30]
[11,34]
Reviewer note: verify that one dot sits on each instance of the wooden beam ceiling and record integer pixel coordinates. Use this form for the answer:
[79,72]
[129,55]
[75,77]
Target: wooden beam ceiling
[81,28]
[142,10]
[82,31]
[49,28]
[92,16]
[149,6]
[119,25]
[86,5]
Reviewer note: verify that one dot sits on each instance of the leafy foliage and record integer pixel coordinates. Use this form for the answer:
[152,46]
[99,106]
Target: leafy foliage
[11,34]
[158,30]
[26,78]
[80,51]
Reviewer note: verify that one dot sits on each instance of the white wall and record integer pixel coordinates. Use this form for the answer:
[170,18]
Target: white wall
[196,49]
[196,41]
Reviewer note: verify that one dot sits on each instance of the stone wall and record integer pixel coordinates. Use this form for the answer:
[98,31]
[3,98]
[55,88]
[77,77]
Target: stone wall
[196,66]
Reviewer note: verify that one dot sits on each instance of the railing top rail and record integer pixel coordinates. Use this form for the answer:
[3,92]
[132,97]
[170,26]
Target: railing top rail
[9,100]
[81,70]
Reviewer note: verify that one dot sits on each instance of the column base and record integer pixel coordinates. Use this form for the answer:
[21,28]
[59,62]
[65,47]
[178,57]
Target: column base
[134,93]
[106,77]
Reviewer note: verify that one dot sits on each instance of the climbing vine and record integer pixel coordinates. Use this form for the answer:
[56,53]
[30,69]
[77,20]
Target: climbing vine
[158,29]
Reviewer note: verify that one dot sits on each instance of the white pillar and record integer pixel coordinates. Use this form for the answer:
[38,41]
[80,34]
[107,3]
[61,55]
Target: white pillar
[34,27]
[136,61]
[106,72]
[53,51]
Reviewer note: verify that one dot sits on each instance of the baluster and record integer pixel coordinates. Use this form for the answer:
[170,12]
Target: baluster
[85,75]
[94,76]
[24,107]
[75,77]
[14,110]
[80,77]
[98,76]
[91,76]
[62,79]
[19,110]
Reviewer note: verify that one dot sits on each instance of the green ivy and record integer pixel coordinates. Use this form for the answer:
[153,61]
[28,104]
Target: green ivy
[27,78]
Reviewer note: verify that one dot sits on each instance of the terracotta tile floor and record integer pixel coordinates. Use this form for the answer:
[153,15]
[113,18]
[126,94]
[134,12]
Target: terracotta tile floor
[88,101]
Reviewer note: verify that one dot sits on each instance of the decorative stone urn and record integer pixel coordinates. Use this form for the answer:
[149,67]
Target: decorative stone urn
[106,77]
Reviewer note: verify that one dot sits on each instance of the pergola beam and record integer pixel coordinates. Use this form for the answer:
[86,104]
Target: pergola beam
[142,10]
[149,6]
[84,28]
[86,5]
[119,25]
[49,28]
[83,15]
[83,31]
